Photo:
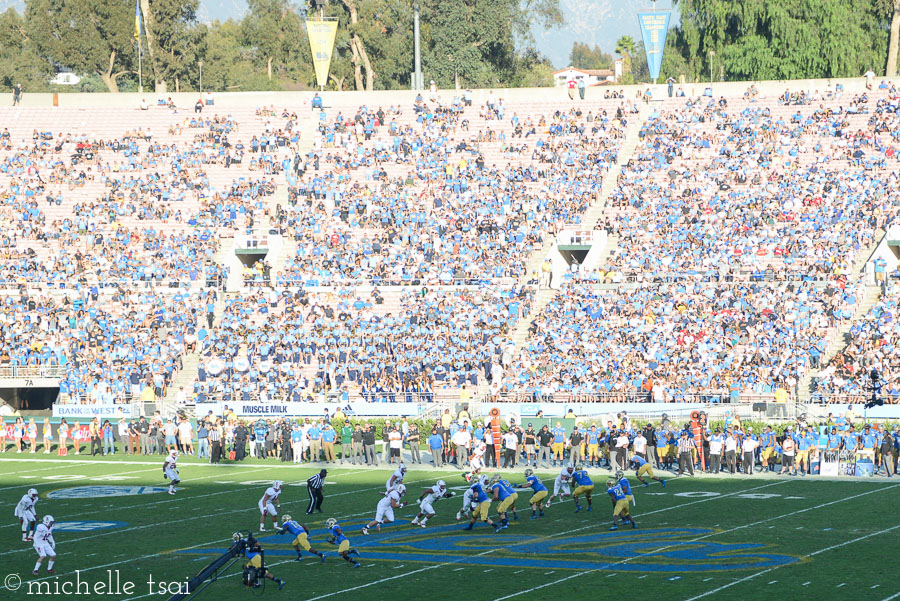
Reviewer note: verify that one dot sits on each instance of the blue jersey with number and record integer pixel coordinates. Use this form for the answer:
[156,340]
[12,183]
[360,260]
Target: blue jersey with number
[293,527]
[638,461]
[535,483]
[582,479]
[616,492]
[338,534]
[499,490]
[626,486]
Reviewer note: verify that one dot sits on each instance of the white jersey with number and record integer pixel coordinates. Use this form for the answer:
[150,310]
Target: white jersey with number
[43,541]
[25,509]
[561,484]
[267,506]
[468,496]
[395,479]
[436,493]
[170,468]
[385,511]
[479,450]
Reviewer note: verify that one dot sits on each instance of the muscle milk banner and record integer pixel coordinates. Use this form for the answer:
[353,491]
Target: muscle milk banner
[321,43]
[654,26]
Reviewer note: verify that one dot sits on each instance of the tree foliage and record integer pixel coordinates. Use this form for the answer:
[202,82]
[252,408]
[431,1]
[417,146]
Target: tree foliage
[584,56]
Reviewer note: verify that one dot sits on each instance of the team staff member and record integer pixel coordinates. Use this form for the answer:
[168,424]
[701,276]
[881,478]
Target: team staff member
[412,437]
[356,445]
[328,437]
[529,439]
[544,439]
[749,447]
[314,485]
[576,455]
[369,445]
[346,441]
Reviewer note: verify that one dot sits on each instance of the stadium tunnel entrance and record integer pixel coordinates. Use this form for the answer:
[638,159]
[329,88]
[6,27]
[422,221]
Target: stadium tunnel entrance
[30,398]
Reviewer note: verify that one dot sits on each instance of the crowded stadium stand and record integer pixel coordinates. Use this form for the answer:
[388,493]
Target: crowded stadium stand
[728,245]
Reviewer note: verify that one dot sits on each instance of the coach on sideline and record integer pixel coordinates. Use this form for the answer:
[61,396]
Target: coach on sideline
[314,484]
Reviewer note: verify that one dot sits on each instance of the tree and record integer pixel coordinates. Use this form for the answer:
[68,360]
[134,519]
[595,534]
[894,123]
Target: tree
[276,33]
[19,63]
[625,48]
[894,39]
[87,36]
[584,56]
[175,41]
[228,65]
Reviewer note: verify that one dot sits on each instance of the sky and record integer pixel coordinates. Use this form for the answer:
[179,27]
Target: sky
[588,21]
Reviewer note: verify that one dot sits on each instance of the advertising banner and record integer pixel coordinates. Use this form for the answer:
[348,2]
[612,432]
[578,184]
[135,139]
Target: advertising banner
[91,411]
[654,26]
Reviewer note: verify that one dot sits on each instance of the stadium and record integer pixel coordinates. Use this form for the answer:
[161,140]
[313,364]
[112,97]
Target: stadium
[308,331]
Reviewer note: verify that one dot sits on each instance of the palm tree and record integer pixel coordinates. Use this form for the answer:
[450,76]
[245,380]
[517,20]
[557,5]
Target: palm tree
[625,47]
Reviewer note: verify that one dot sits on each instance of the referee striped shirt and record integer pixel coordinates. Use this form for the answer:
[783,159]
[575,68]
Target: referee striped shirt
[214,435]
[315,482]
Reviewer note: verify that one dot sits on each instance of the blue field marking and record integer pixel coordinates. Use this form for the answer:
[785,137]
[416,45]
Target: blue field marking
[600,551]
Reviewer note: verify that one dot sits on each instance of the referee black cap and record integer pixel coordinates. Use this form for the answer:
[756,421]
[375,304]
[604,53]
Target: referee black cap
[323,473]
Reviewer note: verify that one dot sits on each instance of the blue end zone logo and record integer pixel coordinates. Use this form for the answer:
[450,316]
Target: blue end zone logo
[86,526]
[654,550]
[92,492]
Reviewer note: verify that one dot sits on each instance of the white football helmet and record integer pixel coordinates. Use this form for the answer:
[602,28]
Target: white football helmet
[330,522]
[277,484]
[48,520]
[484,480]
[402,468]
[401,489]
[570,468]
[174,452]
[441,484]
[32,492]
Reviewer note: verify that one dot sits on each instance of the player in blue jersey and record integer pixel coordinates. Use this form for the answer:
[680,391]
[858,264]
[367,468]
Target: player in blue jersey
[626,486]
[642,468]
[301,533]
[482,502]
[343,543]
[620,504]
[583,485]
[504,492]
[540,493]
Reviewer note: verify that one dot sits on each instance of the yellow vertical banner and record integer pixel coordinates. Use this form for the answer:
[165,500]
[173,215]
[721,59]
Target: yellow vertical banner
[321,43]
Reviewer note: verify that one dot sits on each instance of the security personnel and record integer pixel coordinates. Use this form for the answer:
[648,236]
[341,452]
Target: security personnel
[314,485]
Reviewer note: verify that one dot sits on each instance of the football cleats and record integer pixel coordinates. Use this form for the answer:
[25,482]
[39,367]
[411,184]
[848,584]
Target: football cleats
[48,520]
[330,523]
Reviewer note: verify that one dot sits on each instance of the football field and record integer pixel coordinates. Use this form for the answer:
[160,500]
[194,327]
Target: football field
[697,538]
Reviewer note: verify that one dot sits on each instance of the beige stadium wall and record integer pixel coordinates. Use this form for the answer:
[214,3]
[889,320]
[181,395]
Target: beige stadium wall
[223,100]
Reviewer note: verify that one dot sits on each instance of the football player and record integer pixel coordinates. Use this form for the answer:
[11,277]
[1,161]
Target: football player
[476,461]
[468,505]
[384,512]
[44,544]
[337,538]
[482,503]
[426,502]
[540,493]
[396,478]
[583,485]
[170,470]
[620,504]
[626,486]
[270,505]
[507,495]
[642,467]
[301,532]
[561,484]
[27,513]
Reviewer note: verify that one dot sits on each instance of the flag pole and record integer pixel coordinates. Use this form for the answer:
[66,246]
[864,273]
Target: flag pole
[140,67]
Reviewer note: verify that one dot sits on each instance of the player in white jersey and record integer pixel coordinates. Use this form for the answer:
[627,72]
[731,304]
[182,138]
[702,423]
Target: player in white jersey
[396,478]
[561,488]
[27,514]
[170,470]
[384,513]
[476,461]
[270,505]
[469,502]
[427,499]
[44,544]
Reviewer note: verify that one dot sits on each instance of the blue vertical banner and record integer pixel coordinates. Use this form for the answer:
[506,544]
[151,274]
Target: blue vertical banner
[654,26]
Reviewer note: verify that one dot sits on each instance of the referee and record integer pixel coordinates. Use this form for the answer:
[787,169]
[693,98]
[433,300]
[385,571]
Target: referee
[215,441]
[314,486]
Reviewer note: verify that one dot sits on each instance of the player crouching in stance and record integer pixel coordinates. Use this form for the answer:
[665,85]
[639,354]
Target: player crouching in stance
[540,493]
[426,502]
[384,512]
[301,532]
[27,514]
[170,470]
[620,504]
[44,544]
[269,505]
[476,461]
[482,503]
[468,505]
[583,485]
[255,567]
[641,468]
[507,495]
[561,484]
[337,538]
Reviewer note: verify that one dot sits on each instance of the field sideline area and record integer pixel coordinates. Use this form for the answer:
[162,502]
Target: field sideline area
[697,538]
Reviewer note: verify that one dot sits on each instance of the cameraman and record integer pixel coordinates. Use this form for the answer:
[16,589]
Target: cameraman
[255,566]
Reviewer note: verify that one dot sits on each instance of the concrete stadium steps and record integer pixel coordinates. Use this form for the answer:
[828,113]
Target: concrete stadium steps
[520,334]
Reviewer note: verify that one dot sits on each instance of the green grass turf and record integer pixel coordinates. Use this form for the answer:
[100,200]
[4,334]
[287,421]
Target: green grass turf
[688,542]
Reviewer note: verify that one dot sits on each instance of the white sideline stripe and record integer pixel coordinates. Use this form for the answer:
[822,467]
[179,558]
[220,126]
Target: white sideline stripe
[814,553]
[626,560]
[530,541]
[123,530]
